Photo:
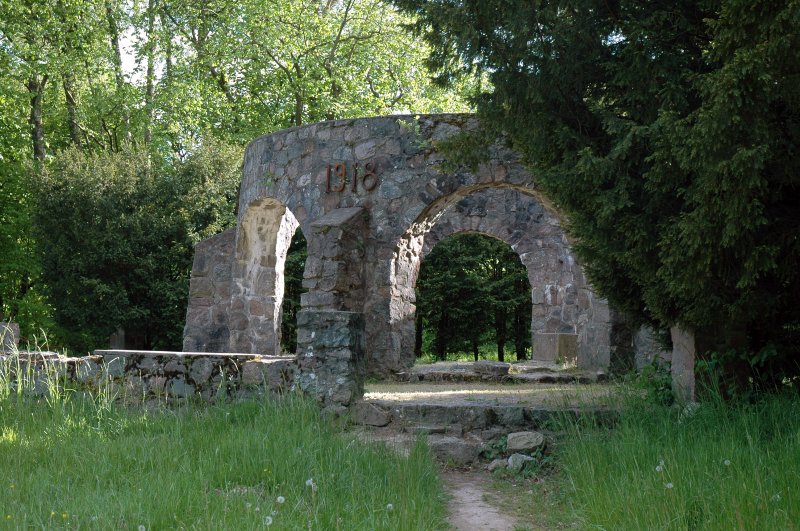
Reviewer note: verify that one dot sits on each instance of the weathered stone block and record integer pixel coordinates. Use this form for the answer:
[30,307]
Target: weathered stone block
[201,370]
[516,462]
[371,415]
[175,366]
[683,356]
[524,441]
[179,388]
[87,371]
[115,363]
[252,373]
[491,368]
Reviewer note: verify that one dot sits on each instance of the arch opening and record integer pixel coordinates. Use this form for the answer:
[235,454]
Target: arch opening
[294,269]
[473,302]
[557,290]
[263,241]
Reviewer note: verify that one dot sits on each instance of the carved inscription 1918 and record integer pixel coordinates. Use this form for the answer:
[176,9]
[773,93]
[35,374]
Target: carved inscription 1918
[342,173]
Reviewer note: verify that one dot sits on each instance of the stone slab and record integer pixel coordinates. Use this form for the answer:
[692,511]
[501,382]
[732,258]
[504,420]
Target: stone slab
[555,347]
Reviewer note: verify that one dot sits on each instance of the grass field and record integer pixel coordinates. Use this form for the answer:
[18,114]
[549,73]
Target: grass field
[720,466]
[72,462]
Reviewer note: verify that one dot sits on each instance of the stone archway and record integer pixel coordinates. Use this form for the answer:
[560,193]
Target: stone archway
[560,298]
[365,192]
[563,305]
[265,233]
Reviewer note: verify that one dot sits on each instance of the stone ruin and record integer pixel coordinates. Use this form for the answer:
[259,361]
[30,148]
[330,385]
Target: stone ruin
[372,198]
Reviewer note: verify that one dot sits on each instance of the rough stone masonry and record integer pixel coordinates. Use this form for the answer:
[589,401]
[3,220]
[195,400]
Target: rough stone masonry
[371,198]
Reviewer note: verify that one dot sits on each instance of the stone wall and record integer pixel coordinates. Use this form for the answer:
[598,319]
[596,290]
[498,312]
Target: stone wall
[135,376]
[367,192]
[207,318]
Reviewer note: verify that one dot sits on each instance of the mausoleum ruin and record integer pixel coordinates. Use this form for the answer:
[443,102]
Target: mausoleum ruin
[372,197]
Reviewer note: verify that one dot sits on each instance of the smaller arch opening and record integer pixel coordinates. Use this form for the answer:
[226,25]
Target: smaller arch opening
[294,267]
[473,302]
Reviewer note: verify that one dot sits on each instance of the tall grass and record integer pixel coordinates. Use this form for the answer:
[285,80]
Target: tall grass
[77,461]
[719,466]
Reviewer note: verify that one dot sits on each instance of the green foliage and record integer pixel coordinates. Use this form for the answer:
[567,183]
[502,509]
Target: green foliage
[20,288]
[668,133]
[494,449]
[470,288]
[656,382]
[116,239]
[171,78]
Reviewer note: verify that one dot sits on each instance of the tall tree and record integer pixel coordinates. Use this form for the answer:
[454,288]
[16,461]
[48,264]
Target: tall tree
[668,132]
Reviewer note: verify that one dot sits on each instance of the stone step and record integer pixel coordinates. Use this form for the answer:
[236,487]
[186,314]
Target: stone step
[460,419]
[499,372]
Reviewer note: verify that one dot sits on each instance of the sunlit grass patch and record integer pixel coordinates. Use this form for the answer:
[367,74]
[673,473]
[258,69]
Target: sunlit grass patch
[721,466]
[79,462]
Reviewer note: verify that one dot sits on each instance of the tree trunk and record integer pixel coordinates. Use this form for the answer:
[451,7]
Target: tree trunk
[418,336]
[441,336]
[68,82]
[521,317]
[35,87]
[475,350]
[298,109]
[116,56]
[500,331]
[150,82]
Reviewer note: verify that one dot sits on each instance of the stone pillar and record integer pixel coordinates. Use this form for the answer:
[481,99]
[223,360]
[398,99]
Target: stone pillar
[594,331]
[9,336]
[648,349]
[206,327]
[683,355]
[330,349]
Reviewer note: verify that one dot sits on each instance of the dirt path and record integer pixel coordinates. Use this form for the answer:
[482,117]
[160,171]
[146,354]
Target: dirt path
[470,507]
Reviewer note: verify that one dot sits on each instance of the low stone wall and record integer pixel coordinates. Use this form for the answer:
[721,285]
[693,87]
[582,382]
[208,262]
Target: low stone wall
[147,375]
[9,336]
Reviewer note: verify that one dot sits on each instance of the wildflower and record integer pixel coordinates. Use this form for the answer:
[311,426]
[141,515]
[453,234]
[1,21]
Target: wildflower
[52,514]
[389,507]
[280,499]
[267,520]
[309,482]
[258,509]
[142,527]
[776,498]
[659,468]
[64,515]
[727,462]
[248,505]
[669,485]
